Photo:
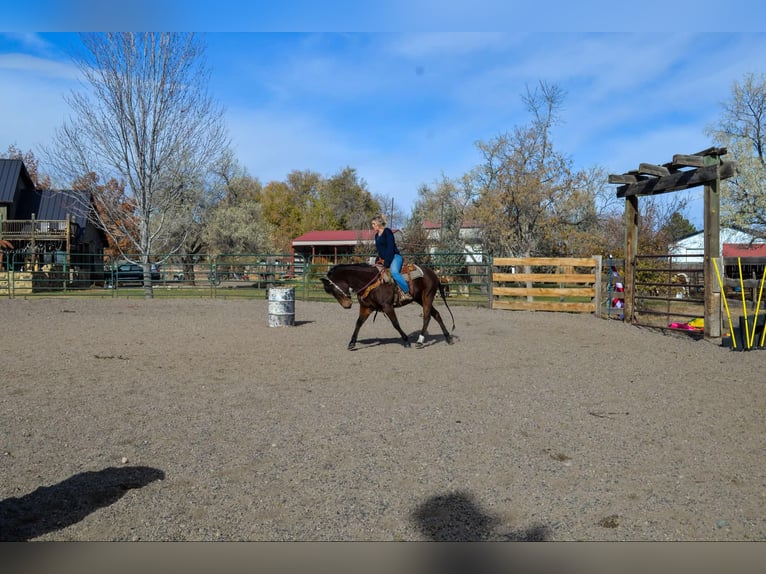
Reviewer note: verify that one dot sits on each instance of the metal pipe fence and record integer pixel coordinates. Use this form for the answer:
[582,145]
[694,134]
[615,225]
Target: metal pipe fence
[228,275]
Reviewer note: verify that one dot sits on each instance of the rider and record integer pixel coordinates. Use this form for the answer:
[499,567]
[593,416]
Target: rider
[389,256]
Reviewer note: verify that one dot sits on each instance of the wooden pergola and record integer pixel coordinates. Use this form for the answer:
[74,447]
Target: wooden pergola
[705,168]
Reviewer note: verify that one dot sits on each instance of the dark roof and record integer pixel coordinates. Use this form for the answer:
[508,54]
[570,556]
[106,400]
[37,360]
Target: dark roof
[57,205]
[10,172]
[54,205]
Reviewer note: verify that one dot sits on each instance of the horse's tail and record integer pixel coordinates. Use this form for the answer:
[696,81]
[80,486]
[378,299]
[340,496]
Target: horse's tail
[444,298]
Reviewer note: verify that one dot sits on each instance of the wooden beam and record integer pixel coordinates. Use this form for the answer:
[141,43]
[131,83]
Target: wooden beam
[679,180]
[546,261]
[652,169]
[689,160]
[543,277]
[627,178]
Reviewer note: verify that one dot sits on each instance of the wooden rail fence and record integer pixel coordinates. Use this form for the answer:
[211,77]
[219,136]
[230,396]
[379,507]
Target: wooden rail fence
[547,284]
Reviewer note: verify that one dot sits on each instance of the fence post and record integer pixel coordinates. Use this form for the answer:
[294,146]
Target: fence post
[597,298]
[490,271]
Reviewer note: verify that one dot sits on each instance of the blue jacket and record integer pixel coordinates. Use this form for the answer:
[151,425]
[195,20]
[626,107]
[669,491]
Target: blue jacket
[386,246]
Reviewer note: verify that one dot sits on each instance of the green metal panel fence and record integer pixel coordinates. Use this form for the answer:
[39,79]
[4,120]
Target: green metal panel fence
[228,275]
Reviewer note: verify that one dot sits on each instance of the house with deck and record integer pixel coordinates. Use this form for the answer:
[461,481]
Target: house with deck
[47,233]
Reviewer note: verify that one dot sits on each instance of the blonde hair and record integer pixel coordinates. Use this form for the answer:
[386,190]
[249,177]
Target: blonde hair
[380,220]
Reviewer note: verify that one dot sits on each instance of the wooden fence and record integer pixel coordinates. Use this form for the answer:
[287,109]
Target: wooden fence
[547,284]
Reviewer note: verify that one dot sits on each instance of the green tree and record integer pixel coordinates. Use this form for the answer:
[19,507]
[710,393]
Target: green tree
[345,201]
[234,222]
[678,227]
[143,117]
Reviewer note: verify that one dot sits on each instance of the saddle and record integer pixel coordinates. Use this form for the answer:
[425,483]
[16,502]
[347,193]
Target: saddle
[409,271]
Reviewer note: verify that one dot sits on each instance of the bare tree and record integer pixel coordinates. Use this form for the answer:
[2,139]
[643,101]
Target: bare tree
[144,117]
[742,130]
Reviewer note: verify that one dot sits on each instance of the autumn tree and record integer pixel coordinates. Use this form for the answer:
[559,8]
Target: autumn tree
[144,117]
[121,219]
[529,196]
[32,164]
[741,129]
[288,207]
[307,201]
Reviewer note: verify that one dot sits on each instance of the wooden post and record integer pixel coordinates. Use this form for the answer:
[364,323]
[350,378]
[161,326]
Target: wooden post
[631,249]
[712,237]
[599,271]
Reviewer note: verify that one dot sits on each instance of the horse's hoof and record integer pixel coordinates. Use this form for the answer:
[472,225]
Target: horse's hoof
[450,341]
[407,344]
[351,346]
[419,345]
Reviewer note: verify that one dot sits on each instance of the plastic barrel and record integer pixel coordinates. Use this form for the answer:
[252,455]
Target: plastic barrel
[281,306]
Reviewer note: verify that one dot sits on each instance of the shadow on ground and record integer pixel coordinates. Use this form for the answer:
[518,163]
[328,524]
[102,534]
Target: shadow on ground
[51,508]
[457,517]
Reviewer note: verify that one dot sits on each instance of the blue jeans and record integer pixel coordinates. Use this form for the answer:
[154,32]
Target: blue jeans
[396,268]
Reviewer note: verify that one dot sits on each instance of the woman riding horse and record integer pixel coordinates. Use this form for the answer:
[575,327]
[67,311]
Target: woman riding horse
[376,294]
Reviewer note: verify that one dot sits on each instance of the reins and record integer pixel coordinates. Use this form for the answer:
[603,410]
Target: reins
[362,292]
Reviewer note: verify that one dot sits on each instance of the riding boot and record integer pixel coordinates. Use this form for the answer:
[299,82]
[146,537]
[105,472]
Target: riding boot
[404,297]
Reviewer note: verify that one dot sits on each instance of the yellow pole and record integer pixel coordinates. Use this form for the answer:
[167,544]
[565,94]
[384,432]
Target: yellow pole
[757,309]
[744,303]
[763,335]
[726,305]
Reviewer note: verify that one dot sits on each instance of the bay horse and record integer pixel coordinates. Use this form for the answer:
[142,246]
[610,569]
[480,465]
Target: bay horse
[376,291]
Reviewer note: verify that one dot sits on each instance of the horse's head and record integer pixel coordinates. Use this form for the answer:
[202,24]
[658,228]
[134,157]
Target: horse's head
[338,288]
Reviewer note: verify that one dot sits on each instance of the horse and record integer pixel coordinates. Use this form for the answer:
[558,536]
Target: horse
[376,291]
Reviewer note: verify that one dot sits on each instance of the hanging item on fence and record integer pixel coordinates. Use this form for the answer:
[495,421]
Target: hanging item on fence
[617,302]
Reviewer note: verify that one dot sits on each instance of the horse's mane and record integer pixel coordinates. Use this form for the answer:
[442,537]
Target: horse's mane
[341,266]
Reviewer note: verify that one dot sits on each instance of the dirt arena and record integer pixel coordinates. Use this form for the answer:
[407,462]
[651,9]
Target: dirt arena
[193,420]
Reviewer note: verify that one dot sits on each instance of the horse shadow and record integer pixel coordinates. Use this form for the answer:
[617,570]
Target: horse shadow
[430,340]
[457,517]
[52,508]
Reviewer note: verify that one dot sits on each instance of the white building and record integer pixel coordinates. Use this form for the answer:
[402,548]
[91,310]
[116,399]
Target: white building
[470,233]
[691,249]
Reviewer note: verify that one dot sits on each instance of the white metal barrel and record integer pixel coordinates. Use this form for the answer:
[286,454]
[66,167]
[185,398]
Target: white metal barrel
[281,306]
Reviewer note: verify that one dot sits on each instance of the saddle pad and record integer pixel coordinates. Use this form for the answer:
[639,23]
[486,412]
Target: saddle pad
[412,270]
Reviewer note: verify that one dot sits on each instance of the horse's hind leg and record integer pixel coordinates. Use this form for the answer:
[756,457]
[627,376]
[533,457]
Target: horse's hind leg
[435,314]
[430,311]
[364,313]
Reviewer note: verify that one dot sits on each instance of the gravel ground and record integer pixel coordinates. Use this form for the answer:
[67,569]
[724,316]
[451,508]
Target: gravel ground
[192,420]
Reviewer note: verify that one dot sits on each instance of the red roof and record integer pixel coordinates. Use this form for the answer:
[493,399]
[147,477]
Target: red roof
[744,250]
[336,237]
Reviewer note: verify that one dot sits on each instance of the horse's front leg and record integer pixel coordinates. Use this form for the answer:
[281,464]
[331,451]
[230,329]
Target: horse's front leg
[391,314]
[364,313]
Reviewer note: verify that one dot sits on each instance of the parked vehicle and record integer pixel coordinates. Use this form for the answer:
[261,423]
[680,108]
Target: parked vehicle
[128,273]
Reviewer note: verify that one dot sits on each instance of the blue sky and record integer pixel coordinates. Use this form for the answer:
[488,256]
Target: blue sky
[406,106]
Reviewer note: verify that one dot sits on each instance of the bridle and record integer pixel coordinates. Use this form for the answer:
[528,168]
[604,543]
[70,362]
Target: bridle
[362,290]
[337,288]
